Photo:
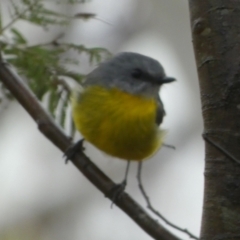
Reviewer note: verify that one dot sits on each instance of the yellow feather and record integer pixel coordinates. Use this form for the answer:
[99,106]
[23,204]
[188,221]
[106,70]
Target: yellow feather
[120,124]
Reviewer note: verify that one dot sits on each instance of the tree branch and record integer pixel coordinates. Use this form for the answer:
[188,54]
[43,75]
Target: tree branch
[47,126]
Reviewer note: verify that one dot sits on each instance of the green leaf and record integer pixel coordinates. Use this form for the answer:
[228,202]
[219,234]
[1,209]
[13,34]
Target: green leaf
[53,101]
[18,38]
[45,66]
[63,110]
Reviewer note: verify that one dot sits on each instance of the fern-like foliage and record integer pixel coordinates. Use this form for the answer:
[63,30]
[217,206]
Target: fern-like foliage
[44,66]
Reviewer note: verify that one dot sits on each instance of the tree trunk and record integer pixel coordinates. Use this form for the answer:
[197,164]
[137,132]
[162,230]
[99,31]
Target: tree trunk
[216,39]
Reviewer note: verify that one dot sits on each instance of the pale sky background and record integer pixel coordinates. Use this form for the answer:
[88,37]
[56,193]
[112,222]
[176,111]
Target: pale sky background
[42,198]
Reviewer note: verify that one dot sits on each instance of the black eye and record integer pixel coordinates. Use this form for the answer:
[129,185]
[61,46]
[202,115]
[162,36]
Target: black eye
[136,73]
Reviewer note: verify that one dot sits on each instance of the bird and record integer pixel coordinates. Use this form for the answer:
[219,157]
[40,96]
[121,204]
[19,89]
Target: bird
[118,108]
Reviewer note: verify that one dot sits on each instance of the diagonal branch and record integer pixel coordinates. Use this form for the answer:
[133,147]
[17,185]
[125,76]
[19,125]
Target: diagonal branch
[47,126]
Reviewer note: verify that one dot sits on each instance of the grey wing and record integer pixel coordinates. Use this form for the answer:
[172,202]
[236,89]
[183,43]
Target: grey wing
[160,112]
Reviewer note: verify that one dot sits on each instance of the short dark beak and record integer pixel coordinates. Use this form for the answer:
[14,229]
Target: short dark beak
[167,80]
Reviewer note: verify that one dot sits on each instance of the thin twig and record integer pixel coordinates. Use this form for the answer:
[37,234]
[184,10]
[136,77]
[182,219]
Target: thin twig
[17,17]
[221,149]
[169,146]
[151,208]
[87,16]
[47,126]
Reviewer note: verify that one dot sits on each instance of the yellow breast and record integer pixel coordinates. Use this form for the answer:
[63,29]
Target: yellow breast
[118,123]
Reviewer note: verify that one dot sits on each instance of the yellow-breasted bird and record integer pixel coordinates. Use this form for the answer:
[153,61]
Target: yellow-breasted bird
[119,110]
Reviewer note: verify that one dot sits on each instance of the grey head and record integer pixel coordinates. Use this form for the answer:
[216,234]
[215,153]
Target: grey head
[131,72]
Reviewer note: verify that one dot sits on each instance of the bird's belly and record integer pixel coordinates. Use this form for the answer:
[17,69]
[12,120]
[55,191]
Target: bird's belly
[118,123]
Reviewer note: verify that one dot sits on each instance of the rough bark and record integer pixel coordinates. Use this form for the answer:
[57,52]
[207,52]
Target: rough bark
[216,39]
